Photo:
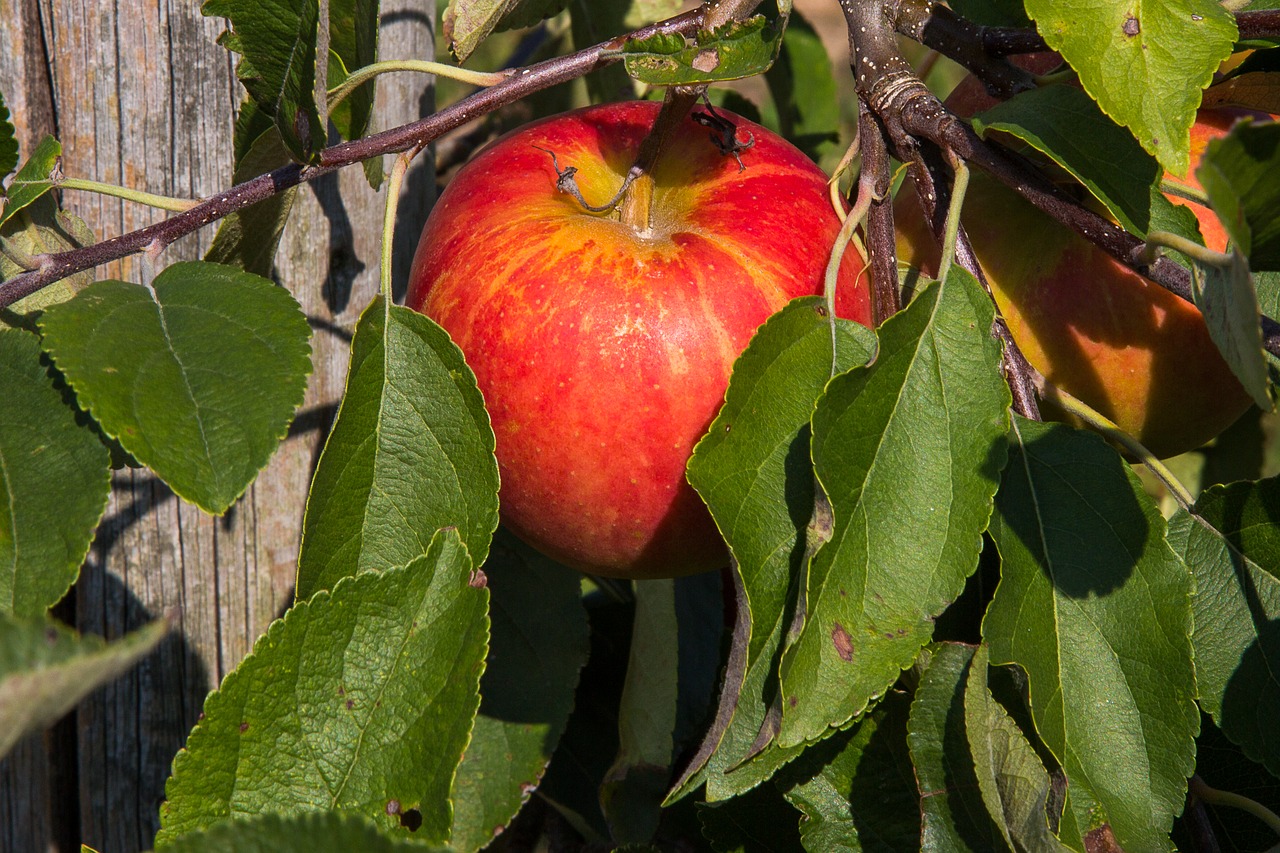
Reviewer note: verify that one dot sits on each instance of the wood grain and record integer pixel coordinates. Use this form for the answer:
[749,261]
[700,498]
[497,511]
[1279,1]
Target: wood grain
[141,95]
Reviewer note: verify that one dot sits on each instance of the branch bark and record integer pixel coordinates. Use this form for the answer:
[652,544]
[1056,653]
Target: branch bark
[155,238]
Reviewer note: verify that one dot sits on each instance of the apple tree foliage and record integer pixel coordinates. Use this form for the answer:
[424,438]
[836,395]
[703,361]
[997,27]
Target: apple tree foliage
[946,625]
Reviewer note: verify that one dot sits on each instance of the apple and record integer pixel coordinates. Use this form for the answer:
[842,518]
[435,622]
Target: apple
[1092,326]
[603,346]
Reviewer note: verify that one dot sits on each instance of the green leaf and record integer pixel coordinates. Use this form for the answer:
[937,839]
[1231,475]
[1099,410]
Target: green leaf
[320,832]
[466,23]
[538,646]
[955,818]
[40,229]
[54,482]
[633,788]
[736,50]
[804,90]
[1239,174]
[1232,546]
[360,700]
[752,469]
[8,142]
[914,441]
[353,43]
[1143,61]
[248,238]
[197,376]
[1067,125]
[276,40]
[32,180]
[1013,782]
[46,669]
[1095,606]
[857,789]
[411,451]
[1226,297]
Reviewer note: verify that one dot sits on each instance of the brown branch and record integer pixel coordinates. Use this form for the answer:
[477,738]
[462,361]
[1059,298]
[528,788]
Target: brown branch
[154,238]
[938,27]
[873,45]
[885,298]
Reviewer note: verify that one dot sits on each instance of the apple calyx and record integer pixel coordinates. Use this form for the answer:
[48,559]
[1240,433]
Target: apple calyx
[568,184]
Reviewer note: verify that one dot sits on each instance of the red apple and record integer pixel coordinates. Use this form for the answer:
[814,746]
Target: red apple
[603,348]
[1096,329]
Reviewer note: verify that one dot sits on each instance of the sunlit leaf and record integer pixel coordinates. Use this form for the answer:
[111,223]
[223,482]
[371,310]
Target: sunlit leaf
[1143,61]
[359,700]
[752,469]
[1239,172]
[1095,606]
[54,482]
[466,23]
[736,50]
[198,376]
[32,180]
[46,669]
[276,40]
[908,451]
[1232,546]
[410,452]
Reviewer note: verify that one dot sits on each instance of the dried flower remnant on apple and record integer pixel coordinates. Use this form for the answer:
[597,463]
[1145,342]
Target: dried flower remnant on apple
[604,354]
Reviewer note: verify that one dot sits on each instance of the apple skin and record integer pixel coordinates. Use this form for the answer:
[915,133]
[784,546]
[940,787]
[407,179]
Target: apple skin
[603,353]
[1092,326]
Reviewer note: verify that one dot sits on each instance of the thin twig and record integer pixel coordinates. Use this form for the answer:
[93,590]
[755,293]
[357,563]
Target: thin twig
[886,300]
[57,266]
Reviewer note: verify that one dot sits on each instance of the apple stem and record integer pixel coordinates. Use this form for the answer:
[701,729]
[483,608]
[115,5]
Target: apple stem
[394,182]
[1108,428]
[20,258]
[952,228]
[1183,191]
[1214,797]
[855,217]
[162,202]
[1190,248]
[637,197]
[366,73]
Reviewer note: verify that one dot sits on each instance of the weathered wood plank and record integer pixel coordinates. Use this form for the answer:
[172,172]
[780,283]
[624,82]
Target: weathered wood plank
[141,95]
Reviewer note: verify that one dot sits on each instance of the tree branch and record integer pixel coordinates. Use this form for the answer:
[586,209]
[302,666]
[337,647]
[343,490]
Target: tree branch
[885,298]
[872,46]
[154,238]
[936,26]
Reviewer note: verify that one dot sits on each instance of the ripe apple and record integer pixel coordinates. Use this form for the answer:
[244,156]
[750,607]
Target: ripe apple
[603,347]
[1092,326]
